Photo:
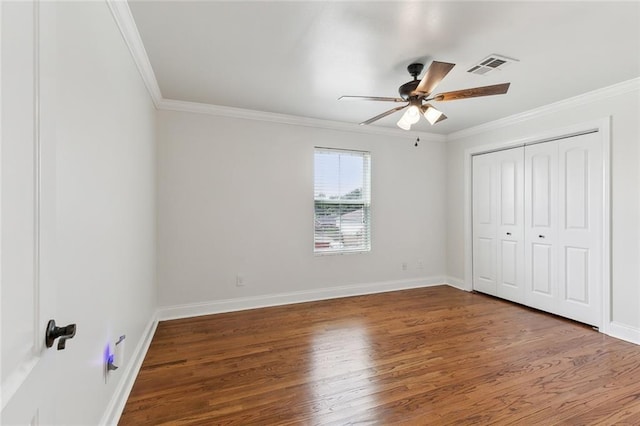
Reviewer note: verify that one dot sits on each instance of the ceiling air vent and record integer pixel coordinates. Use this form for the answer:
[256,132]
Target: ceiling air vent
[490,64]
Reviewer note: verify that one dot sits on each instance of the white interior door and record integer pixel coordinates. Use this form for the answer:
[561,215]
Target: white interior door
[498,232]
[537,225]
[563,235]
[27,177]
[541,201]
[484,224]
[510,223]
[580,192]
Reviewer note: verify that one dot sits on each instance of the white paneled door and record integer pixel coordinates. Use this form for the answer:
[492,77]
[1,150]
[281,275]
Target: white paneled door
[510,232]
[541,195]
[484,224]
[498,202]
[28,370]
[579,237]
[537,226]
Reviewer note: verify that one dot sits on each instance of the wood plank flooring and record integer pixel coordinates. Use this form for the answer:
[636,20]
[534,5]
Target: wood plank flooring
[434,355]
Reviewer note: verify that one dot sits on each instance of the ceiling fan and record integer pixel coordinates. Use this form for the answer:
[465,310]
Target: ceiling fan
[416,95]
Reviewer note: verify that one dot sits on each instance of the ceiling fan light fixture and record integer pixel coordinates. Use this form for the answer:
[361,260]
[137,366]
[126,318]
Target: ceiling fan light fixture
[404,124]
[412,115]
[431,114]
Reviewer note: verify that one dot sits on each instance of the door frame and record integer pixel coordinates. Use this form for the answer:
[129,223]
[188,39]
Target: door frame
[602,126]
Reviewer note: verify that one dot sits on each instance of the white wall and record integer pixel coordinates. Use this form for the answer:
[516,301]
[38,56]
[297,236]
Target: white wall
[235,197]
[96,126]
[624,109]
[105,204]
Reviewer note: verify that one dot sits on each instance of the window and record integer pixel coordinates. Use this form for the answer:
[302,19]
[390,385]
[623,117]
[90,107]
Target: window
[342,201]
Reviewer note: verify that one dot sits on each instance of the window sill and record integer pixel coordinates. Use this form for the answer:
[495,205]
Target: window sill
[340,253]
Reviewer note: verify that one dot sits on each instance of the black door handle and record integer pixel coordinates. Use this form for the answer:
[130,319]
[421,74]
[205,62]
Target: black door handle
[63,333]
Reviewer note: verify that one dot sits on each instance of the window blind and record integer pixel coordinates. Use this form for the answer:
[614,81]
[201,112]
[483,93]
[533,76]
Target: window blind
[342,197]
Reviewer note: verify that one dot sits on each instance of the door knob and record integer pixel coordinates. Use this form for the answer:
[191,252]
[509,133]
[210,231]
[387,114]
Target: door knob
[53,332]
[541,236]
[508,233]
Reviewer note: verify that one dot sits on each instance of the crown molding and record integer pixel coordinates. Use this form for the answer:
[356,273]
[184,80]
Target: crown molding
[593,96]
[124,19]
[127,25]
[247,114]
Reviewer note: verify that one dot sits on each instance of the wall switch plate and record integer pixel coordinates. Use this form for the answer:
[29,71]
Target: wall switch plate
[404,266]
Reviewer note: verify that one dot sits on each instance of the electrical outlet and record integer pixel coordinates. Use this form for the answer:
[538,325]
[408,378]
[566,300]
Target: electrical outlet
[420,265]
[239,280]
[404,266]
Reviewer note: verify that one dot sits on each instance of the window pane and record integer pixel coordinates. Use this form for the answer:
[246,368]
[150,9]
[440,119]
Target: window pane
[341,195]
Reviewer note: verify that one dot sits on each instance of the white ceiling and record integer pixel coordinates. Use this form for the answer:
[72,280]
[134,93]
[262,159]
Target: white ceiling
[297,58]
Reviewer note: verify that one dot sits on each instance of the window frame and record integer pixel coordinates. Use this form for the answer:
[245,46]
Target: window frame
[365,201]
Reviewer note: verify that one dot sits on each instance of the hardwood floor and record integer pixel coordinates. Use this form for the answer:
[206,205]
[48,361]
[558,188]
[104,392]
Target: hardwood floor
[435,355]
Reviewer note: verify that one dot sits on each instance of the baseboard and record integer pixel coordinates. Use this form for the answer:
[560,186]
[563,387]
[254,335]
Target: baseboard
[243,303]
[624,332]
[119,399]
[456,283]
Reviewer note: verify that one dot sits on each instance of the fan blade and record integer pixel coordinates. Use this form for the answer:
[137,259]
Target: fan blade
[434,75]
[370,98]
[497,89]
[384,114]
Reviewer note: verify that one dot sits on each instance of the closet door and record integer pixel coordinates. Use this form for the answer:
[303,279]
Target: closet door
[541,206]
[498,231]
[510,223]
[563,227]
[484,224]
[580,192]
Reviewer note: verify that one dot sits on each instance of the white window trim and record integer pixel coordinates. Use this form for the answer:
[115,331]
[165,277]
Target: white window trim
[366,184]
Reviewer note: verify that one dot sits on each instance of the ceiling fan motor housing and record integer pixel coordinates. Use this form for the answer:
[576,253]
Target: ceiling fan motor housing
[406,89]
